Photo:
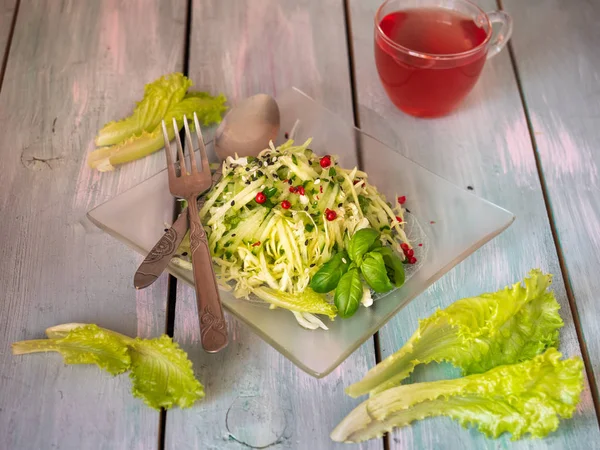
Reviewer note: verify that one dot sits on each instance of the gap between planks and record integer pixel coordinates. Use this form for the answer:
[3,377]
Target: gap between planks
[356,117]
[561,260]
[8,43]
[172,281]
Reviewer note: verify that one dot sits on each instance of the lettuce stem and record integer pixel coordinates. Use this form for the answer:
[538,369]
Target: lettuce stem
[34,346]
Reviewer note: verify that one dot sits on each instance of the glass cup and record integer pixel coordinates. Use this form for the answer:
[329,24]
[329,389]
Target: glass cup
[429,53]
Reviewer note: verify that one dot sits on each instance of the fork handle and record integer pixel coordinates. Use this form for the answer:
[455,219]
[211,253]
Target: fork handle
[213,328]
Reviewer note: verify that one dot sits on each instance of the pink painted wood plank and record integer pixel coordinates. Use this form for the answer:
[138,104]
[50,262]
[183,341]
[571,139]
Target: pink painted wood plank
[74,66]
[7,12]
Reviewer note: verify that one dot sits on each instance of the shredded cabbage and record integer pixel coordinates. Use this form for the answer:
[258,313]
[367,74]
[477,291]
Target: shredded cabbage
[265,250]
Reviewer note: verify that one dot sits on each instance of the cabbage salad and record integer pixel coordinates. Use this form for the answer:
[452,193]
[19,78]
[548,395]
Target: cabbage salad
[276,220]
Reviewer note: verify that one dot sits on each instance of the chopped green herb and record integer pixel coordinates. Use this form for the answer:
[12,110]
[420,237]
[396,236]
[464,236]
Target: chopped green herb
[270,192]
[364,202]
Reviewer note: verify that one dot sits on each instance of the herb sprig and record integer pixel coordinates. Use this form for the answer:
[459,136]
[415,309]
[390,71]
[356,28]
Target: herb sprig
[366,259]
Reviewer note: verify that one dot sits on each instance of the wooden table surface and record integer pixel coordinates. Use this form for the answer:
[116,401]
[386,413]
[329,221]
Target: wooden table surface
[526,138]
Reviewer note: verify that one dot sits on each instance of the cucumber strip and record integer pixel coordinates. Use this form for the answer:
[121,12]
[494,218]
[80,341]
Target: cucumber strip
[301,170]
[266,272]
[273,218]
[246,228]
[392,216]
[212,197]
[285,241]
[239,200]
[324,197]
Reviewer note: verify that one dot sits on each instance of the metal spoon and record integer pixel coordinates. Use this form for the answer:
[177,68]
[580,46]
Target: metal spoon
[245,131]
[248,127]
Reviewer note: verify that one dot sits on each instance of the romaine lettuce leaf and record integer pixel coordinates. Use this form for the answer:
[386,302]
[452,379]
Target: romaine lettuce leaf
[161,372]
[159,96]
[162,375]
[61,331]
[209,110]
[88,344]
[476,334]
[308,301]
[525,398]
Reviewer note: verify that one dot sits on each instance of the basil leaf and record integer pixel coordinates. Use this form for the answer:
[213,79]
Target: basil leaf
[393,265]
[348,294]
[329,275]
[375,274]
[376,245]
[332,172]
[384,251]
[294,159]
[362,241]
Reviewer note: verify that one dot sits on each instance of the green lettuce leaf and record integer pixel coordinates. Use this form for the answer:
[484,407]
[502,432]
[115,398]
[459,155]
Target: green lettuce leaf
[525,398]
[61,331]
[159,96]
[476,334]
[162,374]
[208,109]
[308,301]
[88,344]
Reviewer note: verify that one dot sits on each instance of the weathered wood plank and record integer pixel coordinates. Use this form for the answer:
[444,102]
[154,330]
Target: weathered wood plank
[254,395]
[560,76]
[7,12]
[74,66]
[485,145]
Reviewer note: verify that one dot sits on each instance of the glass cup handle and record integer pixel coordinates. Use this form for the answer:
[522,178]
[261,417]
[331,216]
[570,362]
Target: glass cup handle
[500,37]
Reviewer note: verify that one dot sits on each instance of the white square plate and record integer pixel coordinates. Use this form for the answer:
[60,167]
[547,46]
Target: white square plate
[454,221]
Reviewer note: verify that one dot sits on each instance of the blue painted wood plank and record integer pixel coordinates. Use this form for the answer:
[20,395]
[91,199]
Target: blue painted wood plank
[486,145]
[560,77]
[255,397]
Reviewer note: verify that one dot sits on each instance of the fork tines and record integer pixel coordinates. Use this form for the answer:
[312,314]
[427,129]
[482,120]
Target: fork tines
[189,145]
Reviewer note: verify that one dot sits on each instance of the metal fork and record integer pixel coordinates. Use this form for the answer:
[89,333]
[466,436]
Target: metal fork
[189,185]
